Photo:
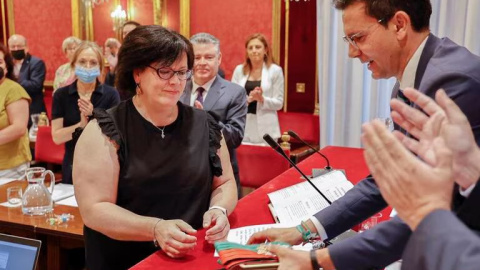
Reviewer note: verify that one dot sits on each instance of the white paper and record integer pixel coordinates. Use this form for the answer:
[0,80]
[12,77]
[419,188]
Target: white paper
[62,191]
[70,201]
[298,202]
[4,181]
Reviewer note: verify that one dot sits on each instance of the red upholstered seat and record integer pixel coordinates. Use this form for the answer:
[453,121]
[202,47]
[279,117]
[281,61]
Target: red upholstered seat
[45,149]
[306,125]
[259,164]
[48,99]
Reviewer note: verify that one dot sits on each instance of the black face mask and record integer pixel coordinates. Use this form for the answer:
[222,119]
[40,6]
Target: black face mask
[2,73]
[18,55]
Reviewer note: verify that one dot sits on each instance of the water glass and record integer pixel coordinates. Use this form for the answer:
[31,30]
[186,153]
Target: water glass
[370,222]
[14,196]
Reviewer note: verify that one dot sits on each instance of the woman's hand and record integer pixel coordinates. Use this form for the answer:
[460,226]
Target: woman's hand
[256,94]
[218,226]
[175,237]
[85,106]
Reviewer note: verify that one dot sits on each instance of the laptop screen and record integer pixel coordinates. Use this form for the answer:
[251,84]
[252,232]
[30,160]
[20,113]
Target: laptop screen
[18,252]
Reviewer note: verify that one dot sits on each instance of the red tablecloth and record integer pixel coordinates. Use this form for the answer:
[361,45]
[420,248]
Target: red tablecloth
[253,209]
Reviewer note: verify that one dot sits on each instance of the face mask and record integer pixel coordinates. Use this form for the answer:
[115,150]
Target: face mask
[2,73]
[18,55]
[87,75]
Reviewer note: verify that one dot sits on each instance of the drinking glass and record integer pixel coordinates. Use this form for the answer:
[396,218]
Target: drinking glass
[14,196]
[370,222]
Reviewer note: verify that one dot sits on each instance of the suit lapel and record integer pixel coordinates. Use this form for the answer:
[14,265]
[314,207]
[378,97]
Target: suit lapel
[187,93]
[214,93]
[430,46]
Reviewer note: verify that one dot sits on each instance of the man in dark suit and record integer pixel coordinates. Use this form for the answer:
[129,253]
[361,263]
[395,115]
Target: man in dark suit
[393,38]
[29,70]
[208,91]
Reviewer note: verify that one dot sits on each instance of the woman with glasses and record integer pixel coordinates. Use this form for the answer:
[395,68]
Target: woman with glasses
[263,80]
[65,74]
[74,104]
[151,171]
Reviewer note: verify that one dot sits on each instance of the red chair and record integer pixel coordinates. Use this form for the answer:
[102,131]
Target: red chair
[259,164]
[45,149]
[48,99]
[306,125]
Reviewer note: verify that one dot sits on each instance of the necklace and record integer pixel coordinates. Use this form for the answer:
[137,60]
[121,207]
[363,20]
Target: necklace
[162,129]
[144,115]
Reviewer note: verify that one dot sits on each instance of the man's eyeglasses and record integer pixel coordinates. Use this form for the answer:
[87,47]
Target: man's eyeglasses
[352,38]
[167,73]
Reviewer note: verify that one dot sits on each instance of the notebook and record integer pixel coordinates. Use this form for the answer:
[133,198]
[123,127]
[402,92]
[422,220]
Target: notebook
[18,253]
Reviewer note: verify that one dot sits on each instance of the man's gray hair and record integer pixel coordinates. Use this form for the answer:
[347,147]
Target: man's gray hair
[205,38]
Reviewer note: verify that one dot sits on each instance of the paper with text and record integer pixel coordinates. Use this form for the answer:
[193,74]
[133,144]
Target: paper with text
[298,202]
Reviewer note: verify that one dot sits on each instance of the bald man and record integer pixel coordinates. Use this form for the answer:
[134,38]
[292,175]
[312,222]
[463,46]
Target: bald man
[30,72]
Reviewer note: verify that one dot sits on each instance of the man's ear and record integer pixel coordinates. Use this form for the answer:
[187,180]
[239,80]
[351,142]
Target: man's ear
[402,24]
[219,58]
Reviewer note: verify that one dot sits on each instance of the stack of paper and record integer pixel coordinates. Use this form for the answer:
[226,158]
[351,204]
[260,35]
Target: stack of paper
[62,191]
[298,202]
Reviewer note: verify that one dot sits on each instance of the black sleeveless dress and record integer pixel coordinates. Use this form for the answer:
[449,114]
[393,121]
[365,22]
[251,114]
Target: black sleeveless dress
[169,178]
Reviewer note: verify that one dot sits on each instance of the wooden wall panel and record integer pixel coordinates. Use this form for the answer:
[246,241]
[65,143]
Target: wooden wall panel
[301,56]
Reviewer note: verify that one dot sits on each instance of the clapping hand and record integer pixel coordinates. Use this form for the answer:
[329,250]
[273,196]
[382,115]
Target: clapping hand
[256,95]
[413,187]
[198,105]
[445,120]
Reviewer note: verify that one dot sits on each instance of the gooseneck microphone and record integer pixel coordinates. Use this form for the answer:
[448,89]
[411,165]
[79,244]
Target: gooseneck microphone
[295,136]
[277,148]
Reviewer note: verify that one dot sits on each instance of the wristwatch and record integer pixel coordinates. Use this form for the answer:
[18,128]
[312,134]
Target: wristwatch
[313,259]
[219,208]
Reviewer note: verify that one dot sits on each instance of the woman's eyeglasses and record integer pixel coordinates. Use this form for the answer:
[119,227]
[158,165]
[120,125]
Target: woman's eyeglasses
[167,73]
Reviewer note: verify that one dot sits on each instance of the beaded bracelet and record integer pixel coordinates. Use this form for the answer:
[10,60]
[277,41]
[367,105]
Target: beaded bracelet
[305,231]
[155,242]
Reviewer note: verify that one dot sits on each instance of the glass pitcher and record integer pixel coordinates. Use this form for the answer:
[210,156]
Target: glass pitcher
[37,199]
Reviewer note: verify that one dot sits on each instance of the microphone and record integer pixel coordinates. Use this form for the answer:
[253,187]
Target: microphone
[277,148]
[295,136]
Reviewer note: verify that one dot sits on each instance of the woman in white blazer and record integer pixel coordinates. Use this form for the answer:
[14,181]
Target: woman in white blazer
[264,84]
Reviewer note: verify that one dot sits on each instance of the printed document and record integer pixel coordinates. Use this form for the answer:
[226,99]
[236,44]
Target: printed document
[298,202]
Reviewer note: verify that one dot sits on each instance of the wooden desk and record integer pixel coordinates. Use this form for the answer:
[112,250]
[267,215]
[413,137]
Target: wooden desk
[253,209]
[55,238]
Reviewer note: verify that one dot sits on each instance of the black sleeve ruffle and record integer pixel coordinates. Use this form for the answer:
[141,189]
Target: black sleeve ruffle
[215,136]
[107,124]
[109,129]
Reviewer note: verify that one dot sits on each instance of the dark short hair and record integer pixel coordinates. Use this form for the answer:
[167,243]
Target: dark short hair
[8,62]
[146,45]
[418,10]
